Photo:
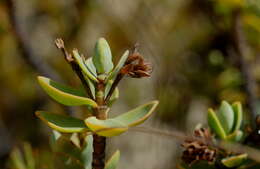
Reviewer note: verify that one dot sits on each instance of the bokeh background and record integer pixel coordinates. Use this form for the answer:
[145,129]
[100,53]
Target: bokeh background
[202,51]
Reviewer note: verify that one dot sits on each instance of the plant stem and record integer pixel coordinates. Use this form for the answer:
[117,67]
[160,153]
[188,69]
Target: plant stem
[99,142]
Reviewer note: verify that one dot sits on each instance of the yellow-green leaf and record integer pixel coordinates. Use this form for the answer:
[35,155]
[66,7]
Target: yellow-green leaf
[226,116]
[215,124]
[238,115]
[115,126]
[234,161]
[82,65]
[119,65]
[91,67]
[61,123]
[137,115]
[113,161]
[107,128]
[86,153]
[63,94]
[102,58]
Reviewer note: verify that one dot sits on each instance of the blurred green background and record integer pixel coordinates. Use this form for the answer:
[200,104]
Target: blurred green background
[198,60]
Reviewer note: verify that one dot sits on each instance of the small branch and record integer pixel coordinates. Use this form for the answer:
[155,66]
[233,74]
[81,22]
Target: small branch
[241,50]
[75,67]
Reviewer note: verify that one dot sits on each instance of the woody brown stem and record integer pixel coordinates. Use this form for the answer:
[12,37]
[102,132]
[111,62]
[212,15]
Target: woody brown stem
[99,142]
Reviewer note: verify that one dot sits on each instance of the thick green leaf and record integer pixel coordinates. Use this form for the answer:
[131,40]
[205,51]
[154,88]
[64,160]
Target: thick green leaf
[113,161]
[86,153]
[115,126]
[119,65]
[17,159]
[234,161]
[82,65]
[137,115]
[107,128]
[91,67]
[235,136]
[62,123]
[215,124]
[29,157]
[63,94]
[238,115]
[226,116]
[102,58]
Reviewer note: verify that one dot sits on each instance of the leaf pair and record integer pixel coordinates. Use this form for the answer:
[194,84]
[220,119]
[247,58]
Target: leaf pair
[227,121]
[110,127]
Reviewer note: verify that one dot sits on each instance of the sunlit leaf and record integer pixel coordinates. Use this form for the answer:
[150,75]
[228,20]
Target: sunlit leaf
[113,161]
[82,65]
[63,94]
[119,65]
[215,124]
[226,116]
[107,128]
[65,124]
[238,115]
[102,58]
[115,126]
[137,115]
[234,161]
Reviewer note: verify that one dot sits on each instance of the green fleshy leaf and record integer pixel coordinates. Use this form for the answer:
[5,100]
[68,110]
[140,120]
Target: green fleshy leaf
[86,153]
[17,159]
[238,115]
[235,136]
[226,116]
[29,157]
[118,125]
[106,128]
[54,138]
[82,65]
[118,66]
[113,161]
[234,161]
[91,87]
[215,124]
[62,123]
[137,115]
[91,67]
[102,58]
[63,94]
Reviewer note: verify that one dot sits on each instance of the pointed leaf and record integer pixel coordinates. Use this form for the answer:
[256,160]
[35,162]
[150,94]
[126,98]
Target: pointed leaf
[62,123]
[82,65]
[86,154]
[107,128]
[238,115]
[215,124]
[118,125]
[234,161]
[91,67]
[226,116]
[235,136]
[63,94]
[119,65]
[113,161]
[137,115]
[102,58]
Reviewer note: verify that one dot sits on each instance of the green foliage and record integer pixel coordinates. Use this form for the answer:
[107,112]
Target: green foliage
[63,94]
[227,122]
[234,161]
[100,80]
[102,58]
[113,161]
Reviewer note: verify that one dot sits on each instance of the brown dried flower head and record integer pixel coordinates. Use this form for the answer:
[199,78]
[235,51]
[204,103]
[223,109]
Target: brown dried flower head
[136,67]
[196,150]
